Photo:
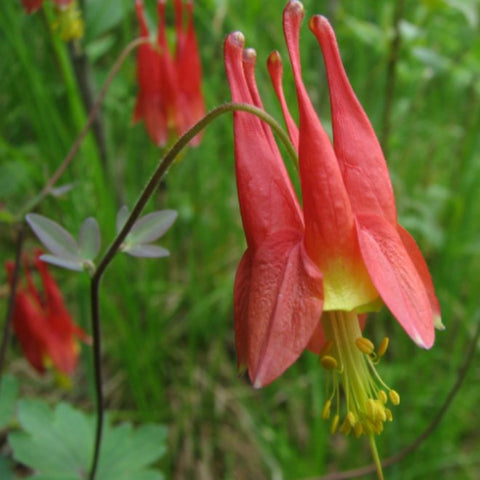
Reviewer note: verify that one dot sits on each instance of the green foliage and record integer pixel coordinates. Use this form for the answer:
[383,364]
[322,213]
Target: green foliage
[169,352]
[58,444]
[8,397]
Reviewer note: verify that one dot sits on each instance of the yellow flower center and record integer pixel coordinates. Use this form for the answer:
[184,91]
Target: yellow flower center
[350,360]
[69,22]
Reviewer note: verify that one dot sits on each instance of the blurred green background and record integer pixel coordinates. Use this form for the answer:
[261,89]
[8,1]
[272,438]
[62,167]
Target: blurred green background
[169,352]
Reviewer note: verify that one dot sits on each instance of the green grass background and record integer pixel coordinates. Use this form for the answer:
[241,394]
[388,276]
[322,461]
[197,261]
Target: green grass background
[168,329]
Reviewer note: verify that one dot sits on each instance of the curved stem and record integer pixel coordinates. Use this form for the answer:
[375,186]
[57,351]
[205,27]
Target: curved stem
[462,372]
[147,192]
[81,136]
[170,156]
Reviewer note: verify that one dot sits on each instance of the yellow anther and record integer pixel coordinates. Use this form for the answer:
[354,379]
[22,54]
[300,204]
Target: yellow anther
[389,415]
[357,429]
[326,348]
[374,409]
[334,426]
[326,409]
[382,348]
[351,418]
[370,408]
[394,397]
[378,429]
[365,345]
[381,415]
[328,362]
[346,428]
[382,396]
[350,360]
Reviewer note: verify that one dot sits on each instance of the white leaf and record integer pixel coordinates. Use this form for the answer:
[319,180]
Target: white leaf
[62,262]
[54,237]
[147,251]
[151,227]
[89,239]
[61,190]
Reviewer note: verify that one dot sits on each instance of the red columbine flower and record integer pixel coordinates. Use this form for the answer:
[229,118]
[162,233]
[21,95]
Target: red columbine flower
[42,323]
[169,99]
[308,276]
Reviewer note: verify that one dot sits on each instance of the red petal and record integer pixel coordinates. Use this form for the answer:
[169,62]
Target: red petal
[329,226]
[422,269]
[189,70]
[267,199]
[275,68]
[280,294]
[158,101]
[397,280]
[141,18]
[30,329]
[31,6]
[357,149]
[61,341]
[317,340]
[241,292]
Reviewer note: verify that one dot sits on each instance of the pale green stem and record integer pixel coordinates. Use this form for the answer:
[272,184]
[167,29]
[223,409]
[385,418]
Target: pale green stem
[376,457]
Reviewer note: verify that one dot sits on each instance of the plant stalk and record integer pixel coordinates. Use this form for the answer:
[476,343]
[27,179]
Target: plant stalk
[151,186]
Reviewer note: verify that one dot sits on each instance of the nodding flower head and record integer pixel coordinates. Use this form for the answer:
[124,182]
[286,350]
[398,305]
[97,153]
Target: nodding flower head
[311,273]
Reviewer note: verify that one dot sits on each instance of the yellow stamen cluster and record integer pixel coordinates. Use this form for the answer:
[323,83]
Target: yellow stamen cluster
[350,359]
[69,22]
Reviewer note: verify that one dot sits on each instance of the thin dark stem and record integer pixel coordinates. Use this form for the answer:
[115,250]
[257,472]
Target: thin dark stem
[462,372]
[391,75]
[147,192]
[170,156]
[81,68]
[81,136]
[11,298]
[97,361]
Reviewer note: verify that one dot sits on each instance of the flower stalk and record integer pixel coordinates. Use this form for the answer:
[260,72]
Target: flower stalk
[150,187]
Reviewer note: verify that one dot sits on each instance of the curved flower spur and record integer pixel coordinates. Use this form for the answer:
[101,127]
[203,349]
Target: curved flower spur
[309,275]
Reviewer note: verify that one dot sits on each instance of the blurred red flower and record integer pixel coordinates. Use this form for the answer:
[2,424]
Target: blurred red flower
[31,6]
[42,323]
[170,98]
